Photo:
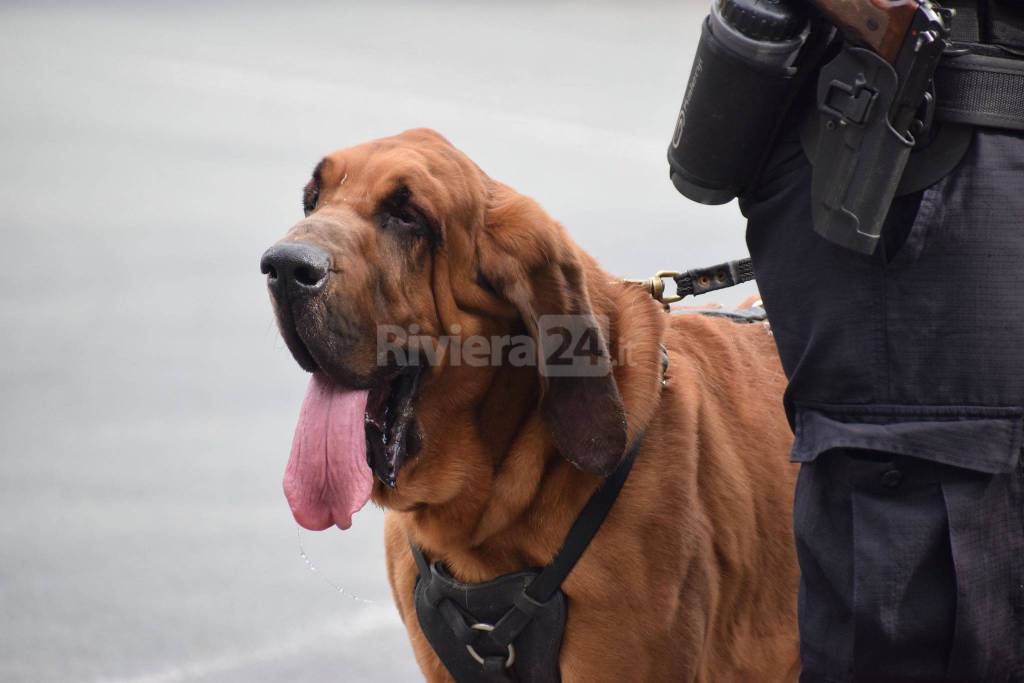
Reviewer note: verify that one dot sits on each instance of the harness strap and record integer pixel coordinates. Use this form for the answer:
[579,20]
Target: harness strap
[460,625]
[421,561]
[545,585]
[583,530]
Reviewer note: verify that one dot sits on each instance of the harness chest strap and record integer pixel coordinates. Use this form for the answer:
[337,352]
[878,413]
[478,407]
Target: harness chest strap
[536,595]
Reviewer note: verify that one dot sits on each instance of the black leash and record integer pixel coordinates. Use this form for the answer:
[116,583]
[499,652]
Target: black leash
[704,280]
[698,281]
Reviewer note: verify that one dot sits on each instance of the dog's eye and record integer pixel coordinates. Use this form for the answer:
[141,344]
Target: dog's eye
[310,196]
[399,214]
[401,219]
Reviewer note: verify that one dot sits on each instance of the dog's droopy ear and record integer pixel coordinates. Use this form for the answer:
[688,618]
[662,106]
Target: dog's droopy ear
[529,260]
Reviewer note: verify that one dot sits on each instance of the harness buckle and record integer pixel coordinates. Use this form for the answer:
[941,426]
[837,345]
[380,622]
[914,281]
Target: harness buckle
[487,628]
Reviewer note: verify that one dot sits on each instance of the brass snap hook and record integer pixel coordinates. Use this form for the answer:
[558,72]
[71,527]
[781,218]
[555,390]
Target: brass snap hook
[655,286]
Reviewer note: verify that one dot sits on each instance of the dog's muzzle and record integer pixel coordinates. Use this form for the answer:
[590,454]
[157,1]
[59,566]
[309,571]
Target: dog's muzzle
[295,270]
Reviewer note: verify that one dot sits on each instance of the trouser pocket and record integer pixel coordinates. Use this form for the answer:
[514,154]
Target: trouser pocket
[986,520]
[910,569]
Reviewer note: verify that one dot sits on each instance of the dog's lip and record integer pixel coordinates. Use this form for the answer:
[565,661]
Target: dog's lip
[391,430]
[339,375]
[308,356]
[297,346]
[303,356]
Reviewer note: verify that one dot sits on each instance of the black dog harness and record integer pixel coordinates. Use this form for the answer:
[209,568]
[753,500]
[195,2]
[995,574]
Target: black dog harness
[509,630]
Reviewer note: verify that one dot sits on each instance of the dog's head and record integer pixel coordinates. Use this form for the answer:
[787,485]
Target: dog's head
[408,255]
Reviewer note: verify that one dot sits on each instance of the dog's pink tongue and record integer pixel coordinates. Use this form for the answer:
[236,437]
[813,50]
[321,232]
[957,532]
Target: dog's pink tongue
[327,479]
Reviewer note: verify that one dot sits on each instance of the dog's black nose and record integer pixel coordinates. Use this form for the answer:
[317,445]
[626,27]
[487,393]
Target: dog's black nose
[296,266]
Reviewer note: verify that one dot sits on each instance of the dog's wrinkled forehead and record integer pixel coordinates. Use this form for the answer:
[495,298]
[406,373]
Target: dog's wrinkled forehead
[420,163]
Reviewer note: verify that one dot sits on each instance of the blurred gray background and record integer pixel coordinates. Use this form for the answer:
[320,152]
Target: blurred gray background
[149,153]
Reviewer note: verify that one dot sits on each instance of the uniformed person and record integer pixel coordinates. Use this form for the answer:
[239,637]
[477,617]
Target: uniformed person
[906,392]
[906,383]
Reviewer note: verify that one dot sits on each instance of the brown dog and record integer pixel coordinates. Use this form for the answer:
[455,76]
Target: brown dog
[693,576]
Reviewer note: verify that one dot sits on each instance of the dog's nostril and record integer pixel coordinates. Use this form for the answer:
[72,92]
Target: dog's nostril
[308,277]
[297,266]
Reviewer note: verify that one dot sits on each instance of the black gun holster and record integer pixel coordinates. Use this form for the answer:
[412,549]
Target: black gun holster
[861,163]
[858,157]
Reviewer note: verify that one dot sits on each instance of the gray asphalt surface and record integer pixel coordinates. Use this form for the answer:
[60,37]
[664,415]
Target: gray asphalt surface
[149,153]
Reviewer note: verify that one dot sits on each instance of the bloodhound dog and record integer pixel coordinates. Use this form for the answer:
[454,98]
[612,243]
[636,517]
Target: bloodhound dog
[407,247]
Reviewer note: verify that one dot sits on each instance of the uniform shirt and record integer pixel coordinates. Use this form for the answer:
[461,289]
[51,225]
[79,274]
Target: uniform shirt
[919,349]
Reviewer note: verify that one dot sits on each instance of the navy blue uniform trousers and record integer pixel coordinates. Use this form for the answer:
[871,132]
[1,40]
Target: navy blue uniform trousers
[906,395]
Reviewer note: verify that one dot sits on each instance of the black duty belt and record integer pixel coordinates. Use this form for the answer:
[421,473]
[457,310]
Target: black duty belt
[981,89]
[979,83]
[975,85]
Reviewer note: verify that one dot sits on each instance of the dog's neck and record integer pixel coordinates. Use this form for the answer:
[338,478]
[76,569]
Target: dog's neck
[498,490]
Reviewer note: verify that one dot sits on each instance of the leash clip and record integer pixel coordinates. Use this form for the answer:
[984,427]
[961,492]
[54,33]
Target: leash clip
[655,286]
[697,281]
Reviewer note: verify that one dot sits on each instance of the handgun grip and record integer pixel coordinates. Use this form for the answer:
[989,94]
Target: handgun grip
[880,25]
